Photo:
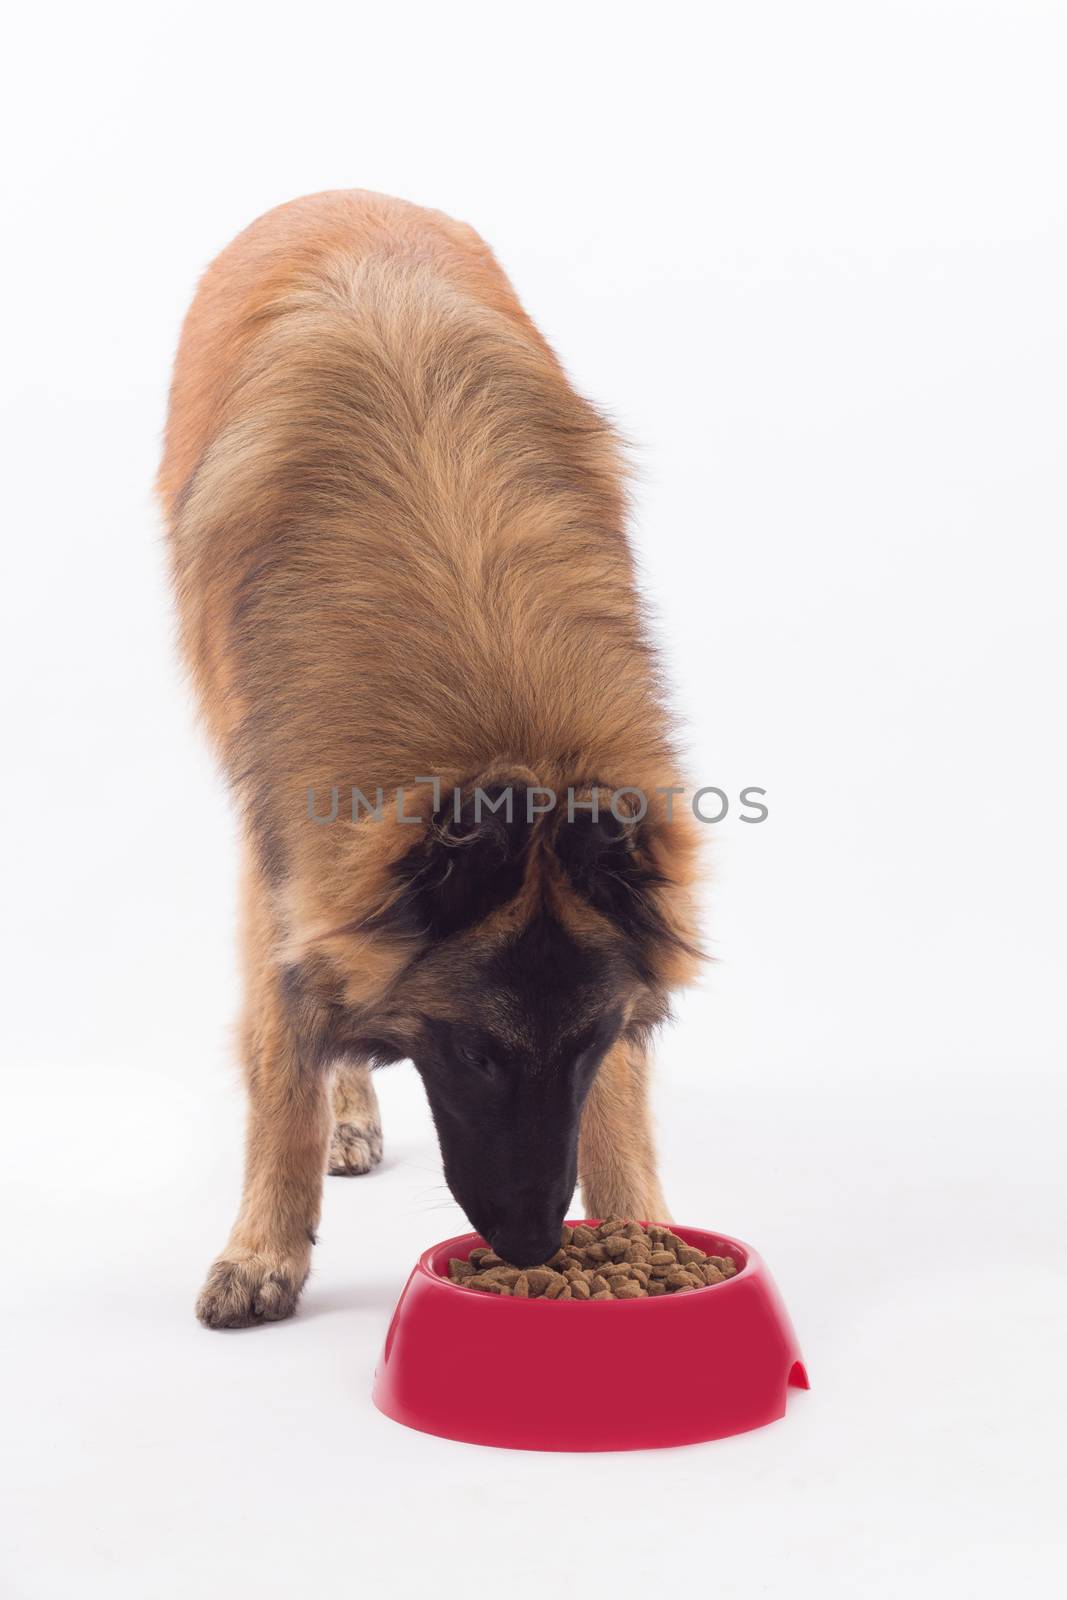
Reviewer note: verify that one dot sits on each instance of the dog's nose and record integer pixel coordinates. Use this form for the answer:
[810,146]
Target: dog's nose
[525,1247]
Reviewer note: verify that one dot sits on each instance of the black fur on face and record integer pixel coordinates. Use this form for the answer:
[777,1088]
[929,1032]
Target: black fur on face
[507,1085]
[463,869]
[467,868]
[507,1036]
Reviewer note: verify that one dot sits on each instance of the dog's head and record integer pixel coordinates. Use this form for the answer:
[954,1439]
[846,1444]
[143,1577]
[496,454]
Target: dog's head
[526,946]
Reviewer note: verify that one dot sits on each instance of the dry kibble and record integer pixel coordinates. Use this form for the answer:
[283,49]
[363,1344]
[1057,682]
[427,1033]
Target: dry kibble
[616,1260]
[502,1275]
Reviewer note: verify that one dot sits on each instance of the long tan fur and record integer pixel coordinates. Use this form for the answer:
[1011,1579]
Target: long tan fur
[398,551]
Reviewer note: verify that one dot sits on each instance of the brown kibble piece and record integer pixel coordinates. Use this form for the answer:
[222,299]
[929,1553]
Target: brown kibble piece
[504,1275]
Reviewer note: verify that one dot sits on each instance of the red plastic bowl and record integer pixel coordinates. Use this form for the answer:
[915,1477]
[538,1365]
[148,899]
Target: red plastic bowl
[588,1375]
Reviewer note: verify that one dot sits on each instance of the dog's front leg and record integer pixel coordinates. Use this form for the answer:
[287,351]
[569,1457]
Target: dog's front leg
[616,1152]
[259,1275]
[356,1145]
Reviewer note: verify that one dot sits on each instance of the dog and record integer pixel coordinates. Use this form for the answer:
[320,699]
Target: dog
[408,606]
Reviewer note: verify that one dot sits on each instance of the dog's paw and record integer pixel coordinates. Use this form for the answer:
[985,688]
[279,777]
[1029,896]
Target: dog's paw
[354,1149]
[243,1291]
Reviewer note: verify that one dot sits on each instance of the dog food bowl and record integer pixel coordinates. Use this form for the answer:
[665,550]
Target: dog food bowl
[588,1374]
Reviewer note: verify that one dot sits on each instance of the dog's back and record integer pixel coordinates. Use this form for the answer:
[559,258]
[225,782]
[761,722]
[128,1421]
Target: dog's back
[397,531]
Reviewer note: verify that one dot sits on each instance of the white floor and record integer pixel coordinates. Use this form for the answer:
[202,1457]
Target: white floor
[913,1237]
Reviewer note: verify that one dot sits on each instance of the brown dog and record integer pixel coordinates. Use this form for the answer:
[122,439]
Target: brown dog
[408,605]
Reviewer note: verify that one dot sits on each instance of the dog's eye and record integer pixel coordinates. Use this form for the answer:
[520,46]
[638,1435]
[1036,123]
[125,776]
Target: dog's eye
[479,1061]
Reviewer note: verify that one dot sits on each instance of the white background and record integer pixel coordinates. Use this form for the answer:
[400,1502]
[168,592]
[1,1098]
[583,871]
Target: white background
[812,257]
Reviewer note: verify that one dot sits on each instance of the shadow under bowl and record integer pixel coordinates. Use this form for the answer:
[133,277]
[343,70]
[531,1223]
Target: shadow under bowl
[588,1375]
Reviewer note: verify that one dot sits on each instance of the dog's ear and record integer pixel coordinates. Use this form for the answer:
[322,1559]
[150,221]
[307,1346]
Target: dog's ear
[469,861]
[607,861]
[637,865]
